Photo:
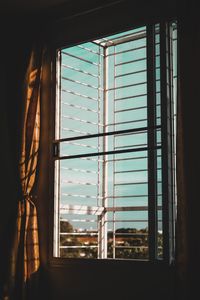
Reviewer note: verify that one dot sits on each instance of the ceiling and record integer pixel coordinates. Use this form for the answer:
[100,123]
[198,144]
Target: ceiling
[23,6]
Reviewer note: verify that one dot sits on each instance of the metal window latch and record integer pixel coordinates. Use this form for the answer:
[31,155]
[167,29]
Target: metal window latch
[56,150]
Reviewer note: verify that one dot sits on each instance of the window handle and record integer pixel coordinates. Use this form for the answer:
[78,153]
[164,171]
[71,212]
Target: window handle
[56,150]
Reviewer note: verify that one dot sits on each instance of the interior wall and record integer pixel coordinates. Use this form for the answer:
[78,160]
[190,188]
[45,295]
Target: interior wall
[86,279]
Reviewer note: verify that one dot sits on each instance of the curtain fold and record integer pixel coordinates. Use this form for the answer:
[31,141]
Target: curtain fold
[25,260]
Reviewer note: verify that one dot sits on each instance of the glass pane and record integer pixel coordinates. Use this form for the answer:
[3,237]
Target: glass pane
[88,190]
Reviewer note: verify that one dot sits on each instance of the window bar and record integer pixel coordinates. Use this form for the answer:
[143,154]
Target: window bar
[80,120]
[131,171]
[126,38]
[114,156]
[78,170]
[130,73]
[127,122]
[75,131]
[118,132]
[78,94]
[79,107]
[131,61]
[165,137]
[81,145]
[130,183]
[93,154]
[139,34]
[134,133]
[79,82]
[174,47]
[125,51]
[130,97]
[172,146]
[99,145]
[151,111]
[103,232]
[130,109]
[129,196]
[80,196]
[90,50]
[79,70]
[80,58]
[127,86]
[57,163]
[131,146]
[129,158]
[78,182]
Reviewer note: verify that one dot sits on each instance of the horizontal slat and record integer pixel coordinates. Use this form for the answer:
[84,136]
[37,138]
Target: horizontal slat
[81,120]
[80,233]
[78,170]
[130,61]
[131,171]
[130,97]
[129,183]
[80,58]
[78,247]
[90,50]
[131,146]
[81,209]
[131,247]
[81,145]
[81,83]
[81,196]
[117,41]
[75,131]
[78,94]
[130,234]
[125,51]
[79,107]
[78,182]
[130,73]
[130,109]
[126,86]
[79,70]
[126,122]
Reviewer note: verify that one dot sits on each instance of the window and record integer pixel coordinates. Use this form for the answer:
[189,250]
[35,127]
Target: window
[114,147]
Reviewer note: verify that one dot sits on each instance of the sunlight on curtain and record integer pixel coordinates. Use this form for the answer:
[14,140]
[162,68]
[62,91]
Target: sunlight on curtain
[25,255]
[28,163]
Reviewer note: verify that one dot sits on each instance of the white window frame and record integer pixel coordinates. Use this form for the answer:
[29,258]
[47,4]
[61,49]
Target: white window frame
[169,196]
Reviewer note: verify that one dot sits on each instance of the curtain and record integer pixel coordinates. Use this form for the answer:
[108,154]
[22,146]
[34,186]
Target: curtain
[25,259]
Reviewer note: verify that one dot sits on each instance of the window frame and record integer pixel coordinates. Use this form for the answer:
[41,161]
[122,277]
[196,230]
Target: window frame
[168,258]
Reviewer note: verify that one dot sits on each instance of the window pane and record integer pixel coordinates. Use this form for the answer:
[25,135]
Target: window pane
[102,182]
[89,190]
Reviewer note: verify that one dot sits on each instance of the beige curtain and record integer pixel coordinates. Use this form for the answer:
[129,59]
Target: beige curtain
[25,255]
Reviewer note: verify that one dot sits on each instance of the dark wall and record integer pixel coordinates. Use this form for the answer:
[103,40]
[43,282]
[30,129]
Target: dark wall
[86,279]
[108,280]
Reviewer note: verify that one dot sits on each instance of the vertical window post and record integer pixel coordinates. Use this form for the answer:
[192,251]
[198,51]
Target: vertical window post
[151,113]
[166,134]
[56,161]
[103,233]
